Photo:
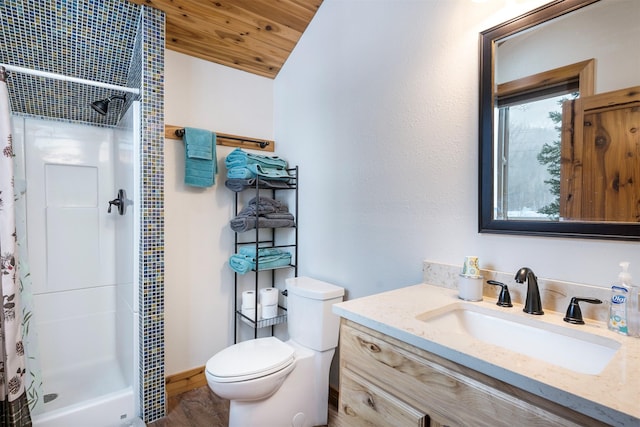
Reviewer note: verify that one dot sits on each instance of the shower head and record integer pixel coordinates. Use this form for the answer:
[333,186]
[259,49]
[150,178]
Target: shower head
[102,106]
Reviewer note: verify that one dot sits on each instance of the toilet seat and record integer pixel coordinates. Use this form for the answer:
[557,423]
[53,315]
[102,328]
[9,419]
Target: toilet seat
[250,359]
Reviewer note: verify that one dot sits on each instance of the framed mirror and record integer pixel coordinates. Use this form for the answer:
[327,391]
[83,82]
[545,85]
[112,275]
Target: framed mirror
[560,122]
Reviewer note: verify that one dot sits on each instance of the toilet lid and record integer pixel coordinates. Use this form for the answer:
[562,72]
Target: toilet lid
[250,359]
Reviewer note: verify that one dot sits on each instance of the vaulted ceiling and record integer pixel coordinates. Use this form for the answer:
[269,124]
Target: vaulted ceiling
[256,36]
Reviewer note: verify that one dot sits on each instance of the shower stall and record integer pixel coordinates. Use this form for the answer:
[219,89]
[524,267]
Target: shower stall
[81,261]
[97,278]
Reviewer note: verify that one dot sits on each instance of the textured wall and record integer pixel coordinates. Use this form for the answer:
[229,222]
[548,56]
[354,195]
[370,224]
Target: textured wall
[378,104]
[198,240]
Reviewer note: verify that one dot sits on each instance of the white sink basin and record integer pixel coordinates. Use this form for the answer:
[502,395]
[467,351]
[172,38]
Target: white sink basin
[566,347]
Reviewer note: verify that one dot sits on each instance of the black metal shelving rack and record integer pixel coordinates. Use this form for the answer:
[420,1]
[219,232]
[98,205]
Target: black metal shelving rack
[269,241]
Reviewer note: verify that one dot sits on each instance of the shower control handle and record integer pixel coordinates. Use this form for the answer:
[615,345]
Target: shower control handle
[119,202]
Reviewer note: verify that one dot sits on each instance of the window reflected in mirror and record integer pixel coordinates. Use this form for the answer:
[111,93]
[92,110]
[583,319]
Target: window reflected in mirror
[528,140]
[528,156]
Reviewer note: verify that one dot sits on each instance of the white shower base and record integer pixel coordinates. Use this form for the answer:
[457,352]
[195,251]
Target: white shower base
[93,395]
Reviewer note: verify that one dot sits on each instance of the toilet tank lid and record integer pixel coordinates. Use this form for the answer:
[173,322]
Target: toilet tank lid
[312,288]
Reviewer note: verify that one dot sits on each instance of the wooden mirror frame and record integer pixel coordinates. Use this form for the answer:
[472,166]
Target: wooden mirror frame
[486,222]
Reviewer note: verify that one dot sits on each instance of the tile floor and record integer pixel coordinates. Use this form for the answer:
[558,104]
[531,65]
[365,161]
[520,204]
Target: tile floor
[200,408]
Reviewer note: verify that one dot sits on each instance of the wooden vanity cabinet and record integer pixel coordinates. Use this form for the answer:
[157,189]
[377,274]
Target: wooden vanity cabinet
[386,382]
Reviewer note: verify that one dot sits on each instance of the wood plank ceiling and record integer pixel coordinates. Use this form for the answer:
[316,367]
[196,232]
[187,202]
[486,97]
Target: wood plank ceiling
[255,36]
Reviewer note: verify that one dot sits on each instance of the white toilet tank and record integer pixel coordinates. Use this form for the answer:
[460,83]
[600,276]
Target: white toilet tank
[310,321]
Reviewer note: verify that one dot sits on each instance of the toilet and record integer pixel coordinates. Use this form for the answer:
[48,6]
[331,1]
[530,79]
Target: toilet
[272,383]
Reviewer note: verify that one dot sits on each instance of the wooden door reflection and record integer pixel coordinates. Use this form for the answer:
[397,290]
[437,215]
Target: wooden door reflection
[600,165]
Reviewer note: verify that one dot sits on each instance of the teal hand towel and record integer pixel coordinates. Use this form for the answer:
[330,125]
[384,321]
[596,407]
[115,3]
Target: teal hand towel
[242,263]
[240,172]
[238,158]
[269,173]
[198,143]
[200,157]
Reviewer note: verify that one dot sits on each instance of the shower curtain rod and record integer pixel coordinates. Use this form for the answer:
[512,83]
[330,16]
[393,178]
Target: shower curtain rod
[56,76]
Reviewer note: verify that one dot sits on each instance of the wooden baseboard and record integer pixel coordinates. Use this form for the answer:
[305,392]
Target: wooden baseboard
[185,381]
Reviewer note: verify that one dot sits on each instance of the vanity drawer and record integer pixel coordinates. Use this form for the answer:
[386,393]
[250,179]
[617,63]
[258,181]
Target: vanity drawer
[364,404]
[449,392]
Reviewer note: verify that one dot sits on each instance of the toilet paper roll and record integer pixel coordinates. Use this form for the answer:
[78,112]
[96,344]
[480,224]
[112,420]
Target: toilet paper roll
[250,312]
[268,296]
[248,299]
[269,311]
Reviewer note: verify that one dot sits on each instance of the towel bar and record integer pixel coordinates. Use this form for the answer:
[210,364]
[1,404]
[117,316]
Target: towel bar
[262,143]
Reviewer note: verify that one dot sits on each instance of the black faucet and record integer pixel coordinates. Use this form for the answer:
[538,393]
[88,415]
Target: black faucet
[533,304]
[504,299]
[574,314]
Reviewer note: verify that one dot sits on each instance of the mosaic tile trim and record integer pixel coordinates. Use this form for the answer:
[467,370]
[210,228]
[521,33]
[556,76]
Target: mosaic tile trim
[134,78]
[152,375]
[68,35]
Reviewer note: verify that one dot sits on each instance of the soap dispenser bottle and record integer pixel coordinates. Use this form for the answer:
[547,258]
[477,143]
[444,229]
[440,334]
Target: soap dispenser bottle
[633,305]
[624,316]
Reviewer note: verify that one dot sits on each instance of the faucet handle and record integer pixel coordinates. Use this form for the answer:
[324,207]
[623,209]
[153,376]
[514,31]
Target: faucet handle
[504,299]
[574,314]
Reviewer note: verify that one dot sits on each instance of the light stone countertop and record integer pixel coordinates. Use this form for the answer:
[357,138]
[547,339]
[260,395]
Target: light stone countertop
[612,396]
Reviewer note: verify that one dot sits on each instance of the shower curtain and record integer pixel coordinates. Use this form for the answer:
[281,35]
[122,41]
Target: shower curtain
[14,409]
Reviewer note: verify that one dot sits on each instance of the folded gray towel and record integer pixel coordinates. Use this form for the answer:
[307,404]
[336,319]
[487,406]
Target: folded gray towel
[261,210]
[264,206]
[240,224]
[279,215]
[262,200]
[239,184]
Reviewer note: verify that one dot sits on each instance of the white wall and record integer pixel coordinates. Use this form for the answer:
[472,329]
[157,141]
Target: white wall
[198,240]
[378,104]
